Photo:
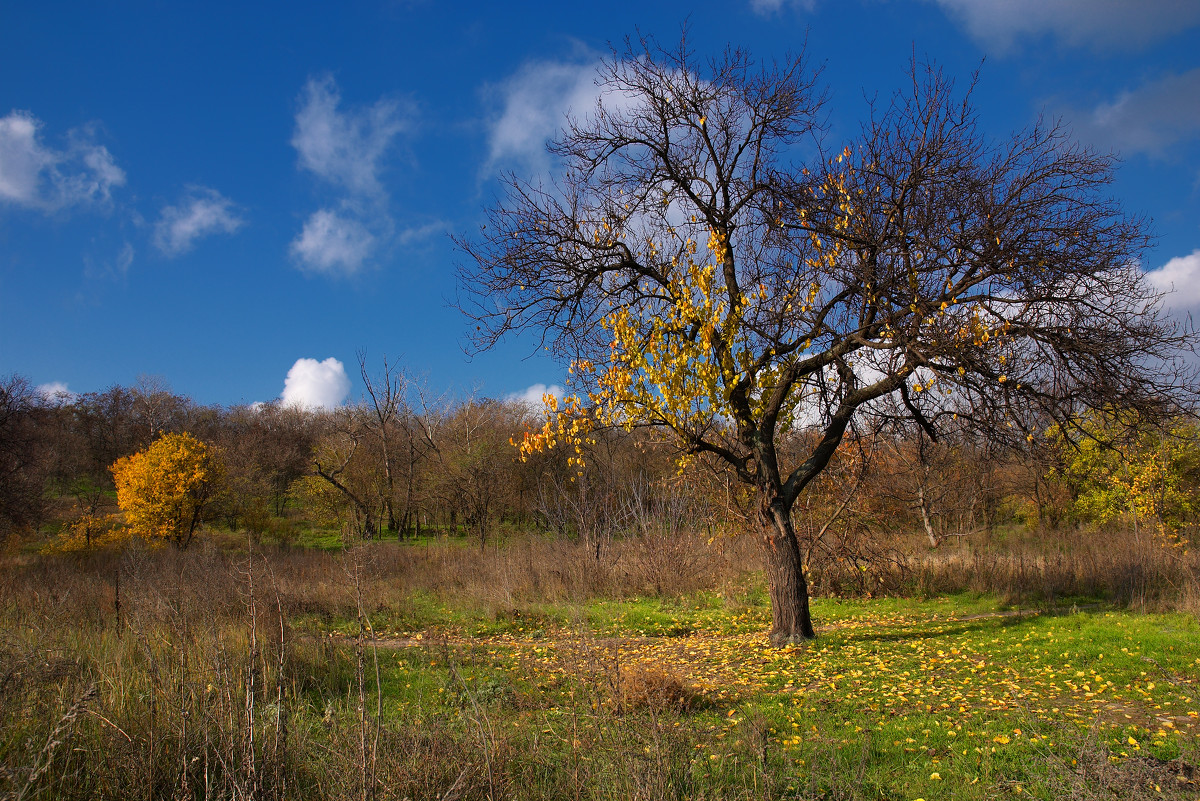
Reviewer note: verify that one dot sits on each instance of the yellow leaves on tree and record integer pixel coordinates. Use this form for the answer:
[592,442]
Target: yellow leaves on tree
[89,532]
[1140,474]
[674,362]
[163,490]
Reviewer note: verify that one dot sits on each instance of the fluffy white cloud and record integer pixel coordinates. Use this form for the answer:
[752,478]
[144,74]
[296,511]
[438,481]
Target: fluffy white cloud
[1180,277]
[333,243]
[532,396]
[312,384]
[1149,119]
[55,392]
[345,148]
[35,175]
[200,213]
[532,108]
[1098,23]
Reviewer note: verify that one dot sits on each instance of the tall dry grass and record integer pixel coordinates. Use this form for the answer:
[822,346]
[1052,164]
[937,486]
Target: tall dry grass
[166,674]
[1119,566]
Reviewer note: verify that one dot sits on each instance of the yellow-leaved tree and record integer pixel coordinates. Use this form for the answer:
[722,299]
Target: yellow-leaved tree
[163,490]
[1142,475]
[697,280]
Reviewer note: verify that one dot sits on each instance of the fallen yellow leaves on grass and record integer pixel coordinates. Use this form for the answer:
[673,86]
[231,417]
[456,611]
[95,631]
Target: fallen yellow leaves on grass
[932,680]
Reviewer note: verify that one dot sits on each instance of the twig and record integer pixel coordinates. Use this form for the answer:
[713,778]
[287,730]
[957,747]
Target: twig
[96,714]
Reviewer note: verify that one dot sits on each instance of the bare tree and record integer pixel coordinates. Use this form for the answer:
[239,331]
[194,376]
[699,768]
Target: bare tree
[23,468]
[386,395]
[473,471]
[994,276]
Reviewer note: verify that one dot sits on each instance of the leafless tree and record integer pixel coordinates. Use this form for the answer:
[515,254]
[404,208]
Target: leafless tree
[923,257]
[23,468]
[472,461]
[386,406]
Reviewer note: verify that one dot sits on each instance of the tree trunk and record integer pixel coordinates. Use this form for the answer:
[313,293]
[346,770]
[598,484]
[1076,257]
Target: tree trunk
[392,525]
[926,521]
[791,621]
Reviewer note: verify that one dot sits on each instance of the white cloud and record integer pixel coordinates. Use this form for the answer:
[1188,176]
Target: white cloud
[124,259]
[345,148]
[200,213]
[37,176]
[421,233]
[532,396]
[311,384]
[333,243]
[1180,278]
[768,8]
[55,392]
[1149,119]
[532,108]
[1121,24]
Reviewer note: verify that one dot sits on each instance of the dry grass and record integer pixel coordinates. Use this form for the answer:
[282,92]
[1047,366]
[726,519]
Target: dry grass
[653,688]
[158,674]
[1116,565]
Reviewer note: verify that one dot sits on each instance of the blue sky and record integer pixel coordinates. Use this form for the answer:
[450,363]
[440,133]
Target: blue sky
[240,197]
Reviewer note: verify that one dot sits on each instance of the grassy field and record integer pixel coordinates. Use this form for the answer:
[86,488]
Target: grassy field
[304,674]
[941,699]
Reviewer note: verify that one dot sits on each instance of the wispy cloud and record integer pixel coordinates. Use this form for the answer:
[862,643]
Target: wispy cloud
[38,176]
[333,243]
[202,212]
[1100,24]
[311,384]
[1149,119]
[345,147]
[767,8]
[109,266]
[531,106]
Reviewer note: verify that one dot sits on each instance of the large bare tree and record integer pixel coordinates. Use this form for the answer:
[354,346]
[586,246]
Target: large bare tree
[711,269]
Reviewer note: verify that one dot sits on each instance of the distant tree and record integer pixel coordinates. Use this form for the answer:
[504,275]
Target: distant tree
[265,448]
[163,491]
[23,462]
[106,423]
[158,409]
[473,463]
[346,458]
[120,421]
[385,407]
[1139,475]
[701,284]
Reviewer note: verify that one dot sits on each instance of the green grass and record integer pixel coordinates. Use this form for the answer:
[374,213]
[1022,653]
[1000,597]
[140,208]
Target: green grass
[915,698]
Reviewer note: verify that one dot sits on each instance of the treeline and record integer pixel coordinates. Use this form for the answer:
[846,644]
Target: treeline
[400,464]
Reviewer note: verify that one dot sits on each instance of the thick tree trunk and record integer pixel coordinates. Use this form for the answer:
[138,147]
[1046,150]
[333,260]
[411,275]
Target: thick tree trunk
[791,620]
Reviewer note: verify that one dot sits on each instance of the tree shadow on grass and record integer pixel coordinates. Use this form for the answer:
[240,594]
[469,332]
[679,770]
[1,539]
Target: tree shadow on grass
[936,629]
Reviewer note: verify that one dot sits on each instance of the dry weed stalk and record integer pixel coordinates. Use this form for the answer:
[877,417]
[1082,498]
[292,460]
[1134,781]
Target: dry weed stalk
[368,754]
